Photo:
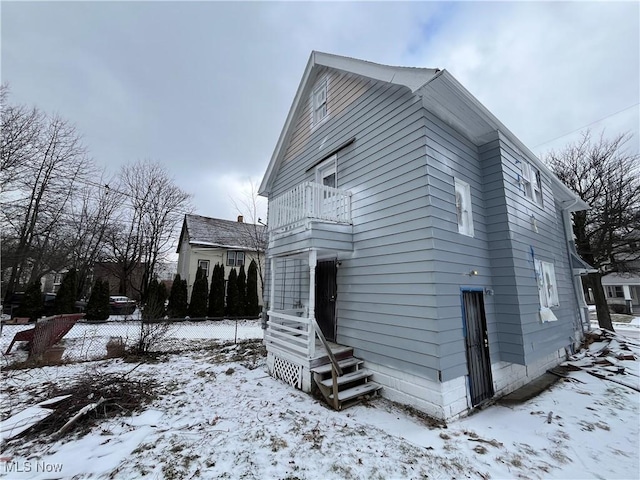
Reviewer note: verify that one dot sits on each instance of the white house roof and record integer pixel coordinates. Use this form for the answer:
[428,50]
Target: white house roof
[219,233]
[441,93]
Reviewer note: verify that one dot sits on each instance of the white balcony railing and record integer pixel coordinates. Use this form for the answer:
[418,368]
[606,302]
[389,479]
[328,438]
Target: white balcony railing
[309,201]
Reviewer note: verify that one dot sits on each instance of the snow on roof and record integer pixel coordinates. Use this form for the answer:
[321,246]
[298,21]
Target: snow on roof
[216,232]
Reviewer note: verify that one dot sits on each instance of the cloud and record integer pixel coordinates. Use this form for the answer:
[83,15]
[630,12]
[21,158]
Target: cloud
[204,87]
[544,69]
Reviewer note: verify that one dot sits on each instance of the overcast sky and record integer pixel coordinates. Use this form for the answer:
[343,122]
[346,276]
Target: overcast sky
[204,88]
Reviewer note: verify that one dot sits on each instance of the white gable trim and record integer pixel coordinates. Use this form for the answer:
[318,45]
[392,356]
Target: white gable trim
[437,88]
[412,78]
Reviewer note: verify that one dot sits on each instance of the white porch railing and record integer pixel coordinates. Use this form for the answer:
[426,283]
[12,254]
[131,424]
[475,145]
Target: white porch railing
[309,201]
[295,332]
[292,330]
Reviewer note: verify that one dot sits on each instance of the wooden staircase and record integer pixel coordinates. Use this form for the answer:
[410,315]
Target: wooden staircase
[346,385]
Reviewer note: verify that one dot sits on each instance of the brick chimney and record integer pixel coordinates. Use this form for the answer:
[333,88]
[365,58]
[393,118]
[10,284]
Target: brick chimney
[240,219]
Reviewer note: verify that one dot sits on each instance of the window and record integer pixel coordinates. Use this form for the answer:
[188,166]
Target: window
[547,289]
[235,259]
[531,182]
[319,100]
[615,291]
[463,207]
[204,265]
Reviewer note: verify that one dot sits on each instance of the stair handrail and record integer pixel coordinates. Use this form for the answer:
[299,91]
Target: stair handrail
[332,358]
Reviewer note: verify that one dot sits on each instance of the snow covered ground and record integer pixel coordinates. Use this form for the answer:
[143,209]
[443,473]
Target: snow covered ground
[220,415]
[87,341]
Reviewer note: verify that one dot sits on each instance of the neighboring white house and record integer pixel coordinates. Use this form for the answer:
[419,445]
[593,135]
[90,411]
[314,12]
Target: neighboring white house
[621,289]
[205,242]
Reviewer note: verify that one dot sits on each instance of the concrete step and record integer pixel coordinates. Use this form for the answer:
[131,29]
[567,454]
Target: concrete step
[358,391]
[348,378]
[349,362]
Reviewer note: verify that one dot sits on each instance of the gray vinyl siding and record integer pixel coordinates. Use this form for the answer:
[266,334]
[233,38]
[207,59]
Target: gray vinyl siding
[399,290]
[452,156]
[385,308]
[522,336]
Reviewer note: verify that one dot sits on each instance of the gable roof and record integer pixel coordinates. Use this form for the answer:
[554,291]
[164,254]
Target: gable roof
[219,233]
[410,77]
[441,94]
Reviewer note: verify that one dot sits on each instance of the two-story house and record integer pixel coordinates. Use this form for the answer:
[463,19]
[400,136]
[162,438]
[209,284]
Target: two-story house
[205,242]
[410,228]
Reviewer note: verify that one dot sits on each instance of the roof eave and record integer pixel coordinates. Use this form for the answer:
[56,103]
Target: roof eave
[480,126]
[412,78]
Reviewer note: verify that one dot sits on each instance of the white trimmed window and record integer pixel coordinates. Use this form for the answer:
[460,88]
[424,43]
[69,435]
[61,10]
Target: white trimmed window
[531,182]
[615,291]
[235,259]
[547,289]
[319,100]
[463,208]
[204,265]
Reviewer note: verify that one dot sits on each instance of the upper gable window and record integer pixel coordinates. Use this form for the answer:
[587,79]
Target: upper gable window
[463,208]
[531,182]
[319,100]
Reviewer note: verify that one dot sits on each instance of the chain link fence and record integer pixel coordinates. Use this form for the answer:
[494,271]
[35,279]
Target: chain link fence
[89,340]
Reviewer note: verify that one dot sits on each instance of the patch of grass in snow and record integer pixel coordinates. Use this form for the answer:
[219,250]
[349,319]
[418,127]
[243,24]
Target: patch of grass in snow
[314,437]
[344,471]
[278,443]
[590,427]
[527,449]
[248,353]
[480,449]
[558,456]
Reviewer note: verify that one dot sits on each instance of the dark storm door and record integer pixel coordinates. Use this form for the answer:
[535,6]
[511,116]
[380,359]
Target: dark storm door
[477,346]
[326,290]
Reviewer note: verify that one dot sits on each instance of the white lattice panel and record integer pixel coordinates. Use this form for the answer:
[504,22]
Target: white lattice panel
[287,372]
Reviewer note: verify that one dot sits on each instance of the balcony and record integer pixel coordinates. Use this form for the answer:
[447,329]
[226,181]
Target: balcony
[306,202]
[310,216]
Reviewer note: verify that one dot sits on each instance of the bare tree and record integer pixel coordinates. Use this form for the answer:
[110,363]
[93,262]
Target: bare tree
[254,232]
[155,207]
[21,128]
[92,216]
[50,162]
[607,177]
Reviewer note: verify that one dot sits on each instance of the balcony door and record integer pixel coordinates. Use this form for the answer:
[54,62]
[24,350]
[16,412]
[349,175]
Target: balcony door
[326,175]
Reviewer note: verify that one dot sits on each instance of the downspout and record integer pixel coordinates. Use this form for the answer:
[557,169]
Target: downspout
[579,294]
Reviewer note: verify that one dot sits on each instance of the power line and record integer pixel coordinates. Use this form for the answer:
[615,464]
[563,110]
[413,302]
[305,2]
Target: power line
[588,125]
[125,203]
